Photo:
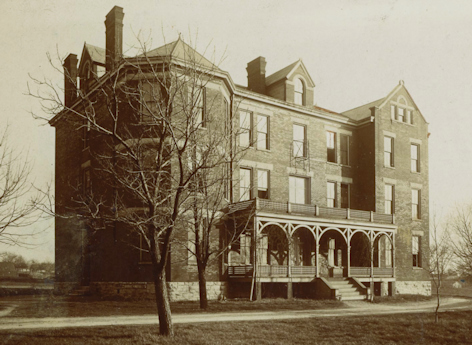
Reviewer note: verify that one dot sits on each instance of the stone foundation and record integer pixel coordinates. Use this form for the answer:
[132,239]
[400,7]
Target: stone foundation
[413,288]
[63,288]
[178,291]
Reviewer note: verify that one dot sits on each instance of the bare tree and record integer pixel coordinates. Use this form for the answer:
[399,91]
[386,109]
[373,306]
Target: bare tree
[440,258]
[152,138]
[461,238]
[17,195]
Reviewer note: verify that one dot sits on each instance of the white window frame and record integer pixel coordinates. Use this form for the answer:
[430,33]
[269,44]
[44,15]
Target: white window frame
[416,251]
[263,183]
[299,92]
[331,146]
[331,187]
[245,189]
[262,128]
[245,128]
[299,144]
[297,194]
[389,151]
[415,157]
[389,199]
[416,204]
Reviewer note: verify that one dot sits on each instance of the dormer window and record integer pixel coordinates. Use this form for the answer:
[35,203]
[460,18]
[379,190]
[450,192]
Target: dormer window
[299,92]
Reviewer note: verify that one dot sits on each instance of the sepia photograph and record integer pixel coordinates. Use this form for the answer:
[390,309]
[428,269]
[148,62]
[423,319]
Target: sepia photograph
[236,172]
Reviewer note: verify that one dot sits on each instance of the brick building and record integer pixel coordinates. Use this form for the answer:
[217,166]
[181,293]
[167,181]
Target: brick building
[337,202]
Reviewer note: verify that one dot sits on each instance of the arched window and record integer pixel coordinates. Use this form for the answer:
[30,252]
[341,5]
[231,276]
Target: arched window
[299,92]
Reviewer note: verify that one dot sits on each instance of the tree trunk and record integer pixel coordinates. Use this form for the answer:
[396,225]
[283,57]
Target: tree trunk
[202,286]
[163,305]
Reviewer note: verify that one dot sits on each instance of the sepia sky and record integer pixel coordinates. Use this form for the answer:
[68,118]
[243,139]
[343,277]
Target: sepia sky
[355,51]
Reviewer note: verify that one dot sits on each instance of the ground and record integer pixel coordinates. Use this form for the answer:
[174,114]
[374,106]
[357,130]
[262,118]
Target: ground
[48,319]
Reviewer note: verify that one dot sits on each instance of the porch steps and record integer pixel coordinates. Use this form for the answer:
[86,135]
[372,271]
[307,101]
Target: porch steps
[346,289]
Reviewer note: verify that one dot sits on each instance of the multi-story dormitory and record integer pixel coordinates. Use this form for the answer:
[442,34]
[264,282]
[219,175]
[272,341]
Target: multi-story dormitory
[339,202]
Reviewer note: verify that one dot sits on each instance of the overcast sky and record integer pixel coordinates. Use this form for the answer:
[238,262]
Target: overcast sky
[355,51]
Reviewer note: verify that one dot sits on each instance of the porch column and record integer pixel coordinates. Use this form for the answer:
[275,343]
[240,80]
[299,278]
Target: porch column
[289,262]
[393,254]
[348,252]
[256,268]
[317,241]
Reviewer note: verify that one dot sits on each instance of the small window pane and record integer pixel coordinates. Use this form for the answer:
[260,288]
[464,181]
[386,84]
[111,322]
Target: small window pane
[299,141]
[263,184]
[244,184]
[262,132]
[331,194]
[245,128]
[298,193]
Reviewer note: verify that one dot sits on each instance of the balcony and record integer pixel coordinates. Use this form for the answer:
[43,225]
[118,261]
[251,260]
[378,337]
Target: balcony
[263,205]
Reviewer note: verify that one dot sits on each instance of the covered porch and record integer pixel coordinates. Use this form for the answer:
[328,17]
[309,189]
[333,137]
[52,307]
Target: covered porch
[299,243]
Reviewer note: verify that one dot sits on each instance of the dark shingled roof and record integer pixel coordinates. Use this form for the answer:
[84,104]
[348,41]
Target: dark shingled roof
[96,53]
[280,74]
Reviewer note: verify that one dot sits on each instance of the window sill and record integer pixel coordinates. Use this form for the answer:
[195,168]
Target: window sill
[403,123]
[416,219]
[333,163]
[416,172]
[393,168]
[263,150]
[417,268]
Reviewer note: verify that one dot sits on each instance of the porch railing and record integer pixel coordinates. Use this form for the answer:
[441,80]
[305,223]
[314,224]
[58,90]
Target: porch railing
[365,271]
[245,271]
[312,210]
[271,271]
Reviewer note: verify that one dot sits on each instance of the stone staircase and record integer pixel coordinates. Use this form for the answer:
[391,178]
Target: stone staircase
[347,289]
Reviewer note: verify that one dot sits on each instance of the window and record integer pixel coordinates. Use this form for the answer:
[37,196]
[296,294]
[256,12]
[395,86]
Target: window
[200,100]
[389,199]
[263,184]
[344,149]
[388,252]
[388,151]
[86,134]
[150,94]
[401,114]
[415,158]
[245,127]
[245,184]
[299,97]
[86,183]
[331,196]
[298,190]
[262,132]
[415,203]
[331,145]
[345,199]
[144,254]
[227,117]
[416,251]
[196,166]
[299,140]
[408,118]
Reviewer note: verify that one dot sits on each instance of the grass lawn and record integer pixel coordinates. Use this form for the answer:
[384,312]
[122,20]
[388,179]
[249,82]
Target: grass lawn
[62,306]
[453,328]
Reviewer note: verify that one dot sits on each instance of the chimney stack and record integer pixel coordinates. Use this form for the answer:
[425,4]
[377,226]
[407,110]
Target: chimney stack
[114,37]
[256,75]
[70,80]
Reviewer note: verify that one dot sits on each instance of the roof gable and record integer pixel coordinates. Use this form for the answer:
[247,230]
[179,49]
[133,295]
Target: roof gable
[95,55]
[287,73]
[364,111]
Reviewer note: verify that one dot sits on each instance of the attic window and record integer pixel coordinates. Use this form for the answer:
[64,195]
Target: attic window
[299,92]
[401,114]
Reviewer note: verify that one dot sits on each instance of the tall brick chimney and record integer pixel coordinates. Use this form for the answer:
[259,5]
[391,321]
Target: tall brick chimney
[114,37]
[70,80]
[256,75]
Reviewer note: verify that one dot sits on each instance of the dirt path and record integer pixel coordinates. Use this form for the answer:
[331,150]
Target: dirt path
[354,309]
